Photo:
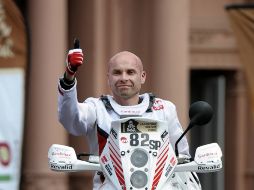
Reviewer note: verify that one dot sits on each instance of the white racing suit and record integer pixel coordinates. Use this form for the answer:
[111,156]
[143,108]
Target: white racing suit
[92,118]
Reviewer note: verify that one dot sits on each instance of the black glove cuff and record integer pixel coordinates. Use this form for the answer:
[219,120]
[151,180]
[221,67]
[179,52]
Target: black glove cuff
[66,84]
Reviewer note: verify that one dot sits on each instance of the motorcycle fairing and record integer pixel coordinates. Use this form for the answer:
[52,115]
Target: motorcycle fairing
[120,158]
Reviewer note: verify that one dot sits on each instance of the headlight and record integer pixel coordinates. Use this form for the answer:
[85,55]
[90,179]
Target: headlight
[139,158]
[139,179]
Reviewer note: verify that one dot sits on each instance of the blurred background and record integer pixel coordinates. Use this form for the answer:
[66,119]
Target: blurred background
[192,50]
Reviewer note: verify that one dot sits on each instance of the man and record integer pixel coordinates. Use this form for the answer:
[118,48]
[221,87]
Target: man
[93,117]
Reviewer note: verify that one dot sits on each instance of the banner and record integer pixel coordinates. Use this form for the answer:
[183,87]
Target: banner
[13,63]
[242,21]
[11,130]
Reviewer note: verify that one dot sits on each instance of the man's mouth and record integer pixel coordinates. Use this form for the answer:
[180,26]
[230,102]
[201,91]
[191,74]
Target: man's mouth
[123,86]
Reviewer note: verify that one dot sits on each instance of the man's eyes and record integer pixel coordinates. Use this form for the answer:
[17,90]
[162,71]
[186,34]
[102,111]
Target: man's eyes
[116,72]
[129,72]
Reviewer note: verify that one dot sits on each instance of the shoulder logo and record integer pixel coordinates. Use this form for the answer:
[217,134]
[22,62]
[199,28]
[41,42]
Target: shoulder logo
[158,105]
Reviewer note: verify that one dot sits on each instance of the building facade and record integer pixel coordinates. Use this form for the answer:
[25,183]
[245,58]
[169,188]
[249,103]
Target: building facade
[189,51]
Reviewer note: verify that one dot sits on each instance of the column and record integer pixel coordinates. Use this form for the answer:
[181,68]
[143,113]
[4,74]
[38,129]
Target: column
[48,31]
[170,66]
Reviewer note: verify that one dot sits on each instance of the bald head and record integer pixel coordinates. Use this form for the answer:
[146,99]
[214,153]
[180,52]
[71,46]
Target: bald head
[125,77]
[123,57]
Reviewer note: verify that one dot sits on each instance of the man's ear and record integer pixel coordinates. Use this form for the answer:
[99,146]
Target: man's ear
[143,77]
[108,79]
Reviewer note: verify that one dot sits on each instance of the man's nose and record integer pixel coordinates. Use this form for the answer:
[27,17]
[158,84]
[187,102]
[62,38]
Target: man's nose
[124,76]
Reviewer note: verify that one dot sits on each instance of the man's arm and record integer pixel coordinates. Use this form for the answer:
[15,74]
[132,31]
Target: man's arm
[75,117]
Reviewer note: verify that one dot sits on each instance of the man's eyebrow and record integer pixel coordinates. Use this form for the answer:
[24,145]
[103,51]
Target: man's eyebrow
[116,70]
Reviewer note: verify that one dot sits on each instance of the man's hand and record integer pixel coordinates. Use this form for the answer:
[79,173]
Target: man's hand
[74,60]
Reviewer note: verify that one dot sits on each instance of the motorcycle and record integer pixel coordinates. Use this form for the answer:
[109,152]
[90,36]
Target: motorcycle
[138,155]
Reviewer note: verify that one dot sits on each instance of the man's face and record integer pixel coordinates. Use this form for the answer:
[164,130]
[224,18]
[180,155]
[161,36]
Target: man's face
[125,76]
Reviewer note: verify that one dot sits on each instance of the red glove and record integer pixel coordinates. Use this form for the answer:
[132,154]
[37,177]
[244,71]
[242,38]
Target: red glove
[74,60]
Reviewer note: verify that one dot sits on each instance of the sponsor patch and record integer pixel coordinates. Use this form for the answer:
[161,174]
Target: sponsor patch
[213,167]
[124,140]
[113,133]
[61,167]
[109,169]
[133,126]
[104,159]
